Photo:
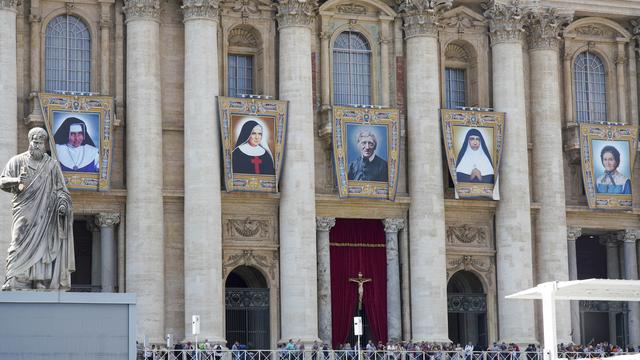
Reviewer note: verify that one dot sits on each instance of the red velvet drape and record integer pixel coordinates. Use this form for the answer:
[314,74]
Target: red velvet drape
[357,245]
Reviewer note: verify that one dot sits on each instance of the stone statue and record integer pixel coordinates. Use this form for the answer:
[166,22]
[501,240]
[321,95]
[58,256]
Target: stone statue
[360,281]
[41,249]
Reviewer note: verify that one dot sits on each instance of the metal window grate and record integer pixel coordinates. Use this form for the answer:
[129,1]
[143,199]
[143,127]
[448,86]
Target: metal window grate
[590,88]
[351,69]
[67,55]
[240,75]
[454,88]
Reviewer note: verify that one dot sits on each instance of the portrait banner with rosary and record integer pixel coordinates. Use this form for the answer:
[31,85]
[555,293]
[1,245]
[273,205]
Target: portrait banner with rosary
[81,138]
[473,141]
[608,154]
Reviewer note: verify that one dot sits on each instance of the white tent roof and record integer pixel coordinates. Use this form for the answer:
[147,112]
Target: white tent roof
[591,289]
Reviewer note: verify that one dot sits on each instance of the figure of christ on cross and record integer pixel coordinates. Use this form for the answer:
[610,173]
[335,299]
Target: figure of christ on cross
[360,280]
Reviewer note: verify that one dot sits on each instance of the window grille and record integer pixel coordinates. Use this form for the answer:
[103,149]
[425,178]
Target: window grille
[454,88]
[240,75]
[67,55]
[590,88]
[351,69]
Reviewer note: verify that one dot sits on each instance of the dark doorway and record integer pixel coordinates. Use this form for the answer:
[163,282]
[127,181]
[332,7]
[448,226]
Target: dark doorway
[82,243]
[467,307]
[247,308]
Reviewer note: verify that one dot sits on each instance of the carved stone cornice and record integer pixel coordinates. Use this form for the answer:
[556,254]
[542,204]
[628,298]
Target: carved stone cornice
[9,5]
[141,10]
[107,219]
[393,225]
[545,27]
[573,233]
[200,9]
[481,265]
[296,12]
[422,17]
[506,21]
[325,223]
[249,258]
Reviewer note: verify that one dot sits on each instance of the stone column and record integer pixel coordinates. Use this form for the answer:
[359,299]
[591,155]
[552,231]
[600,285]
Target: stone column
[573,233]
[513,215]
[106,222]
[426,211]
[323,226]
[35,34]
[145,216]
[406,285]
[385,41]
[621,62]
[96,253]
[547,157]
[394,314]
[203,285]
[613,272]
[8,115]
[105,27]
[631,273]
[299,317]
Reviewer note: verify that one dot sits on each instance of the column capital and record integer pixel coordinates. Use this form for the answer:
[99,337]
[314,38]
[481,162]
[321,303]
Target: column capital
[107,219]
[92,227]
[325,223]
[506,21]
[610,240]
[393,225]
[141,10]
[296,12]
[545,27]
[630,235]
[422,17]
[200,9]
[9,5]
[573,233]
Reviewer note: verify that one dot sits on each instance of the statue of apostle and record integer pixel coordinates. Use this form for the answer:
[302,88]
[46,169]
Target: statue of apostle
[41,249]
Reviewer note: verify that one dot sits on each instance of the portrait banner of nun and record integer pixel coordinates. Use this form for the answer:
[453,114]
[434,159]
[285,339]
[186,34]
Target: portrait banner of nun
[607,154]
[253,133]
[366,145]
[473,143]
[81,133]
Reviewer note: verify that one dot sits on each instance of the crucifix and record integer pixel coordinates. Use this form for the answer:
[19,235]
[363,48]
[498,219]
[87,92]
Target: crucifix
[360,281]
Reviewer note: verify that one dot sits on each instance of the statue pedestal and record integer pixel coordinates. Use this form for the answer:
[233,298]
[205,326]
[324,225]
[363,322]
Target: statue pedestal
[62,325]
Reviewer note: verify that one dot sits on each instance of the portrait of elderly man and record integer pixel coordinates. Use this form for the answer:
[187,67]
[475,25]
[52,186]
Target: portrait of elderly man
[41,249]
[368,166]
[474,160]
[75,149]
[612,181]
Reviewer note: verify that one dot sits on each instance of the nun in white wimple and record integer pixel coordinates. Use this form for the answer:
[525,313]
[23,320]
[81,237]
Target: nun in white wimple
[251,154]
[75,149]
[474,160]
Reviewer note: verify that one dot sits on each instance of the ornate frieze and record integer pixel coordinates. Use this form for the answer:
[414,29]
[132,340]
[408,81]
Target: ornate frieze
[466,235]
[506,21]
[460,23]
[635,27]
[107,219]
[631,235]
[296,12]
[247,229]
[354,9]
[422,17]
[325,223]
[592,30]
[200,9]
[249,258]
[482,265]
[573,233]
[545,27]
[393,225]
[243,36]
[245,7]
[141,9]
[456,53]
[9,4]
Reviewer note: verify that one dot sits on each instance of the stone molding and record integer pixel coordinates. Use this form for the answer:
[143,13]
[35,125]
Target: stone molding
[631,235]
[635,28]
[573,233]
[245,7]
[141,10]
[296,13]
[422,17]
[466,234]
[249,228]
[393,225]
[325,223]
[107,219]
[249,258]
[9,5]
[200,9]
[482,265]
[243,36]
[506,21]
[545,26]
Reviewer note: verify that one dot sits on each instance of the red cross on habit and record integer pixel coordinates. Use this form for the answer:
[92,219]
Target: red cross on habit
[256,164]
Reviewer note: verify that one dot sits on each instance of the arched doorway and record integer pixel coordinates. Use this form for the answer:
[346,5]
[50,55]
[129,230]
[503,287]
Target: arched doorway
[467,307]
[247,308]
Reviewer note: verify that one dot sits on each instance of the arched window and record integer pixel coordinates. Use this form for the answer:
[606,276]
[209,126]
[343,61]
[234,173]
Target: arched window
[590,88]
[67,55]
[351,69]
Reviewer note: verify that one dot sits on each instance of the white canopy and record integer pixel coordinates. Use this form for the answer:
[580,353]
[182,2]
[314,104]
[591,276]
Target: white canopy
[591,289]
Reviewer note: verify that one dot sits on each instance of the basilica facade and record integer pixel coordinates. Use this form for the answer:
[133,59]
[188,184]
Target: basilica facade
[260,267]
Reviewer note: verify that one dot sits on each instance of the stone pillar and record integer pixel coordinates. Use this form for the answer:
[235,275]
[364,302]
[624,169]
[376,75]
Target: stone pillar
[513,215]
[8,115]
[203,285]
[547,157]
[406,285]
[426,211]
[96,253]
[299,317]
[35,34]
[613,272]
[323,226]
[106,222]
[573,233]
[394,314]
[385,41]
[325,72]
[621,62]
[105,27]
[145,216]
[631,273]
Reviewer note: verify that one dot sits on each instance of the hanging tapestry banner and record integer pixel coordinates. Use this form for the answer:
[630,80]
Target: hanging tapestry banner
[608,154]
[253,142]
[366,146]
[473,142]
[81,138]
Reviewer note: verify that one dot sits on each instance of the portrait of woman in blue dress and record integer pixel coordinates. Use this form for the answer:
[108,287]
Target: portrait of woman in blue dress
[612,181]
